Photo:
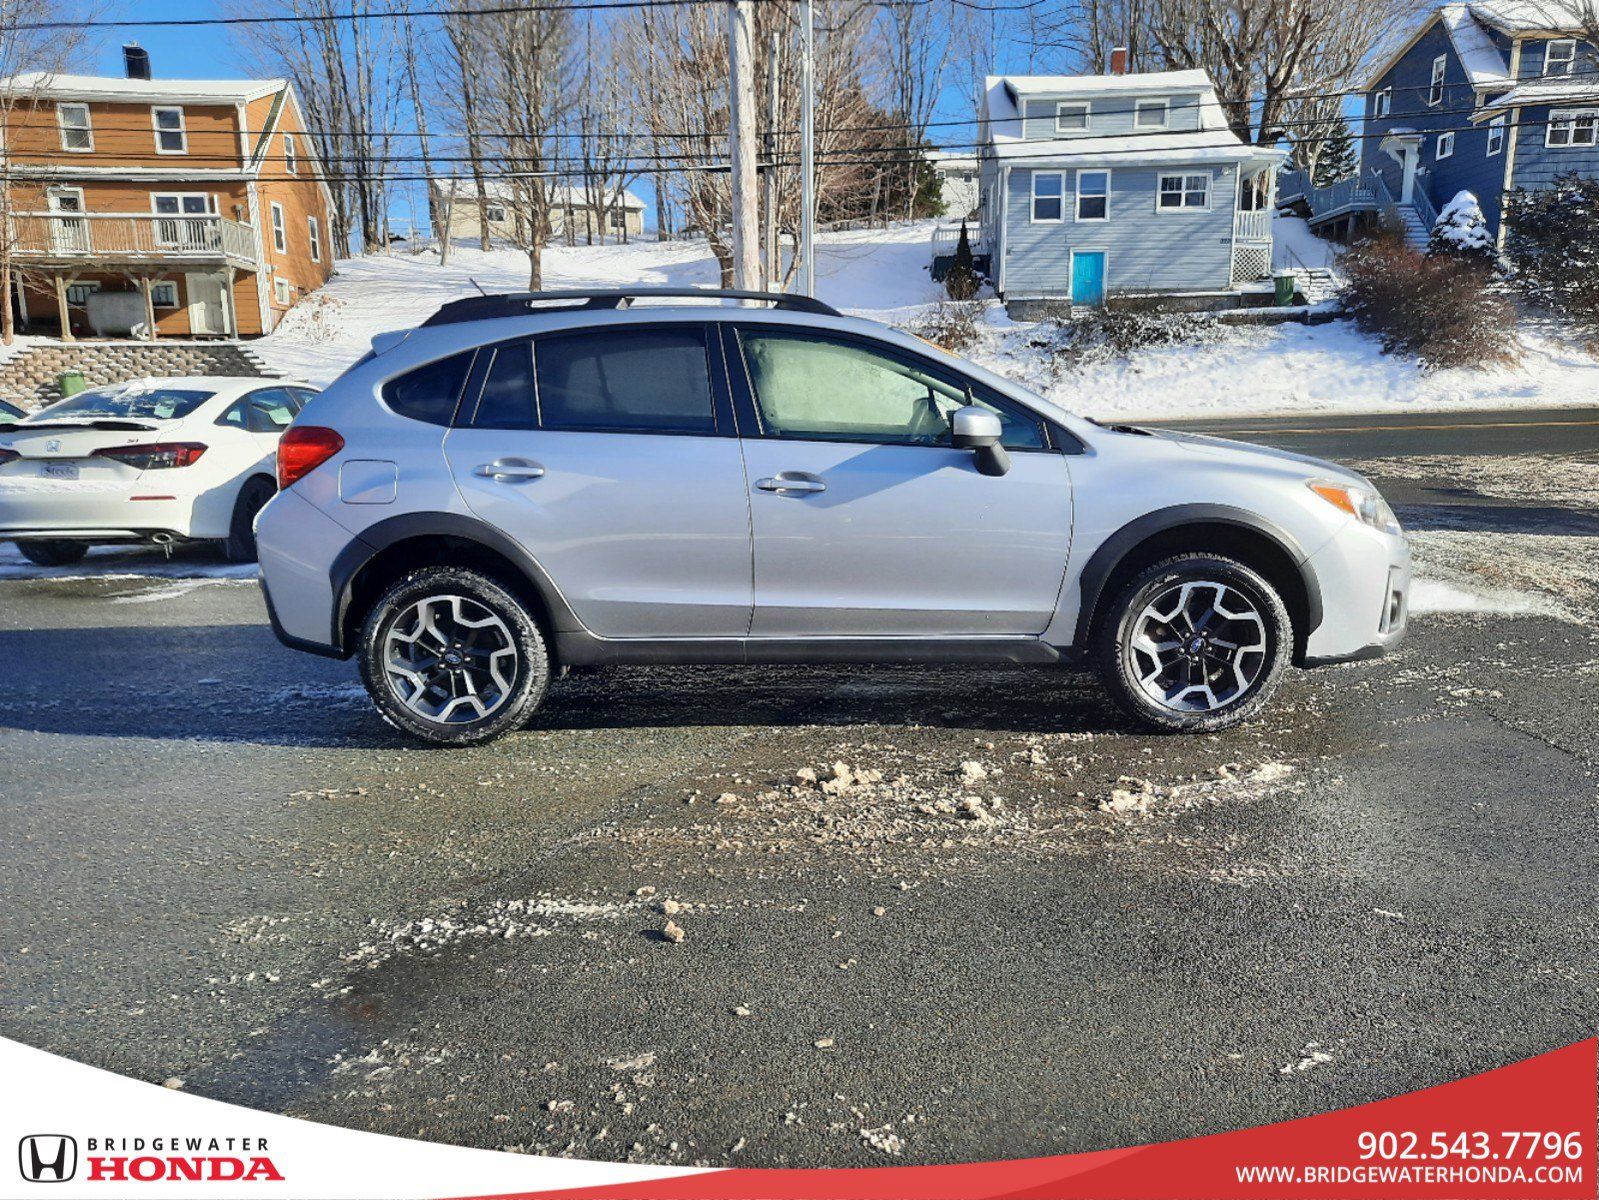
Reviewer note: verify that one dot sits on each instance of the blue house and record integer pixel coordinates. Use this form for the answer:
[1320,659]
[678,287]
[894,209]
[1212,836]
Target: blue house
[1480,97]
[1100,185]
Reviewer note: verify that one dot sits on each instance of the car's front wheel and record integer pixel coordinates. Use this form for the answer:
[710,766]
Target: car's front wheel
[1194,643]
[452,657]
[53,552]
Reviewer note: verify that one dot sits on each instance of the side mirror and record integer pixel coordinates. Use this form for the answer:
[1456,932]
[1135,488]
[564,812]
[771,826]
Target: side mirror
[977,429]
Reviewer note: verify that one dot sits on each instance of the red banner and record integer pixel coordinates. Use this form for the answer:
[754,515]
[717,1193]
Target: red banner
[1522,1131]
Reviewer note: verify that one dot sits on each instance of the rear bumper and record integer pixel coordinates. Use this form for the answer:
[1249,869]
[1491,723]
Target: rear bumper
[102,513]
[297,545]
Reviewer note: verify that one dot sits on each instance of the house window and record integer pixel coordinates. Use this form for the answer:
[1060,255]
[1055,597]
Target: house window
[494,214]
[1573,127]
[78,293]
[76,133]
[171,136]
[1382,103]
[280,236]
[618,219]
[1093,195]
[1048,189]
[291,161]
[313,230]
[164,294]
[1183,192]
[1445,145]
[1560,56]
[1496,136]
[1071,116]
[1435,89]
[280,291]
[1150,114]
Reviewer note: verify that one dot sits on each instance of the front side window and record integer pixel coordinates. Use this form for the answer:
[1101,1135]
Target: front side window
[1560,56]
[171,137]
[643,380]
[1435,89]
[1049,189]
[1150,114]
[1071,116]
[1093,195]
[76,132]
[1446,145]
[1178,192]
[821,389]
[1496,136]
[1574,127]
[1383,102]
[429,393]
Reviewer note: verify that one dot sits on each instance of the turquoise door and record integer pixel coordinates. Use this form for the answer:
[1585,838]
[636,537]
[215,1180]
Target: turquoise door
[1088,277]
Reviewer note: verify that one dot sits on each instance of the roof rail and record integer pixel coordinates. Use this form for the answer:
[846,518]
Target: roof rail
[520,304]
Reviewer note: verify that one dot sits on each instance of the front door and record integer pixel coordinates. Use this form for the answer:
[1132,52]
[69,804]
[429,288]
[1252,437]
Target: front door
[68,235]
[207,303]
[1088,277]
[867,522]
[610,456]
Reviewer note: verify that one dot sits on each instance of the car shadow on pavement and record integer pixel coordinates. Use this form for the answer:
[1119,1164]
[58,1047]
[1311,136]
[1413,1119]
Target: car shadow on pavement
[234,683]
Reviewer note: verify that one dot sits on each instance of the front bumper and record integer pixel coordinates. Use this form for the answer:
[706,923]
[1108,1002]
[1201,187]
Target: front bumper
[1365,577]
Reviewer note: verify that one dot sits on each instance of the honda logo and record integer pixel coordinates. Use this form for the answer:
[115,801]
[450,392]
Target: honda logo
[47,1157]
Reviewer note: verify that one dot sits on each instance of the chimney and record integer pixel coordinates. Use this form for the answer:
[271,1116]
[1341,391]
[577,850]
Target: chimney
[1118,61]
[136,61]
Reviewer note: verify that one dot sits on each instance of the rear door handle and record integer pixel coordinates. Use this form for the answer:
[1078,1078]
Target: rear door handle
[791,481]
[510,470]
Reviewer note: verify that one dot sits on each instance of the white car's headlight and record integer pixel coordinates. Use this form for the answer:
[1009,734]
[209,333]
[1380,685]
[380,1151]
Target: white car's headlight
[1363,503]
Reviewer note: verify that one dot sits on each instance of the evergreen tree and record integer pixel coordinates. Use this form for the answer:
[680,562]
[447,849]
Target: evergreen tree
[961,282]
[1553,248]
[1337,159]
[1462,230]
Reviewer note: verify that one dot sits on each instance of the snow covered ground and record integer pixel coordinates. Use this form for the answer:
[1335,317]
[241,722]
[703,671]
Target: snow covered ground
[882,274]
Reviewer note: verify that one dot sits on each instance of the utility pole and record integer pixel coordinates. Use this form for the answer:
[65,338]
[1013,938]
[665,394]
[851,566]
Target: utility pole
[807,238]
[774,252]
[741,128]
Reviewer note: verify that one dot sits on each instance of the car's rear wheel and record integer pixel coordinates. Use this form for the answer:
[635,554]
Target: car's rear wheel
[253,496]
[1194,643]
[53,552]
[452,657]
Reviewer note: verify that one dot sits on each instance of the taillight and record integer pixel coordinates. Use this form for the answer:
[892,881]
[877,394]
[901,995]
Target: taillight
[304,448]
[8,456]
[156,456]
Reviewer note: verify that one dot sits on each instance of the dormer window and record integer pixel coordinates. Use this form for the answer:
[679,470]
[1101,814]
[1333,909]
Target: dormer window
[171,137]
[1435,89]
[1560,56]
[1151,114]
[1071,116]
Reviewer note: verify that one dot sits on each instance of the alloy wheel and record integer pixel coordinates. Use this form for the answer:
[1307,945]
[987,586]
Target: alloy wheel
[1198,646]
[450,659]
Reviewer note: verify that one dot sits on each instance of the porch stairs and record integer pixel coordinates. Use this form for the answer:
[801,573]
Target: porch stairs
[30,378]
[1416,232]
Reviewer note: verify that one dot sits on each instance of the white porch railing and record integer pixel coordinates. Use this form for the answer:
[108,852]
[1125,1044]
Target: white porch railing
[947,237]
[1252,226]
[124,237]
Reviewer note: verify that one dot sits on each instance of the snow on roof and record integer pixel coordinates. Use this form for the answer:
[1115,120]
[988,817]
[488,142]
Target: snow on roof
[1484,65]
[1141,81]
[114,87]
[1532,16]
[1549,90]
[1193,146]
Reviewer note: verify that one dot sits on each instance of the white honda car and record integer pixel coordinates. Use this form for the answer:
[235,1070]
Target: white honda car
[154,460]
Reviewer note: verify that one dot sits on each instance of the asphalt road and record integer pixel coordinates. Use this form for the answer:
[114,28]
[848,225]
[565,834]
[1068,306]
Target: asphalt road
[217,864]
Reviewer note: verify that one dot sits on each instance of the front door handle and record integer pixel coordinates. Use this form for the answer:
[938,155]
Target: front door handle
[791,481]
[510,470]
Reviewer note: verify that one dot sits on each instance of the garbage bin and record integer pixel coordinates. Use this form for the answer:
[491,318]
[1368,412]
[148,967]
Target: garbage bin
[1284,281]
[70,383]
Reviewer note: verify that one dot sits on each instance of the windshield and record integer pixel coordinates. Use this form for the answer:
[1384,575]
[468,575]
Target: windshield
[132,400]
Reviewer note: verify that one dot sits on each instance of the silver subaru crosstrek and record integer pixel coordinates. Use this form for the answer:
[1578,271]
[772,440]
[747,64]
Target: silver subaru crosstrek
[530,483]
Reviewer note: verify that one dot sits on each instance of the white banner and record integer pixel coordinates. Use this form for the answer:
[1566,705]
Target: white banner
[69,1130]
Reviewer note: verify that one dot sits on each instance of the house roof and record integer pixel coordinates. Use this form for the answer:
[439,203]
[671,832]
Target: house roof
[1531,16]
[564,195]
[1483,63]
[1213,141]
[113,87]
[1551,90]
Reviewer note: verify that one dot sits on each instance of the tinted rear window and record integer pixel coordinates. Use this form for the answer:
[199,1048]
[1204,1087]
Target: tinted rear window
[429,393]
[130,401]
[650,380]
[506,401]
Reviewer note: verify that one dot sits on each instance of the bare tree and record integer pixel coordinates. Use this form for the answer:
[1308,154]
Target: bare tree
[917,42]
[29,58]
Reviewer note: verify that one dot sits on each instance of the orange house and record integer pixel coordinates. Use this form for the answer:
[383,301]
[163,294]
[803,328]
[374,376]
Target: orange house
[162,207]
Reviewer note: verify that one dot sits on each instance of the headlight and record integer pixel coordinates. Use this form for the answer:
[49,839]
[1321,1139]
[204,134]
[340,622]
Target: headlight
[1364,503]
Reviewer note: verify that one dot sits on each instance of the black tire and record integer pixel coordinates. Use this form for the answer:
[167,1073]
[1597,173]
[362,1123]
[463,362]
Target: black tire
[1241,683]
[239,546]
[527,681]
[53,552]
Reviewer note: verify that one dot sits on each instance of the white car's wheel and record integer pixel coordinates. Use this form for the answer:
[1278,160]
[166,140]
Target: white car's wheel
[253,496]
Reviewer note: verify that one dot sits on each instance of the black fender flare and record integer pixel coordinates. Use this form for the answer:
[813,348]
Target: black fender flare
[1113,550]
[390,531]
